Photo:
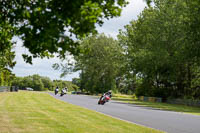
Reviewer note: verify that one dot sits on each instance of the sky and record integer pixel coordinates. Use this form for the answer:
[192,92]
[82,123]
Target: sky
[43,67]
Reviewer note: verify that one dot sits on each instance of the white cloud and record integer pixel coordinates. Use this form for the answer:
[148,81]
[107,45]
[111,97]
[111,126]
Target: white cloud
[130,12]
[43,67]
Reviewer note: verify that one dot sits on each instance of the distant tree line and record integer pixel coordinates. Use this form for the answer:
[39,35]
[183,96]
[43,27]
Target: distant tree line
[40,83]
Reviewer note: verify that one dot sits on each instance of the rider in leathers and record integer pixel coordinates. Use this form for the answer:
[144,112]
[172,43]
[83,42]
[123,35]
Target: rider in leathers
[109,93]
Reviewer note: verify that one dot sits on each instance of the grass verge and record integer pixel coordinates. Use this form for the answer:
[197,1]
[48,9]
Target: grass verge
[161,106]
[32,112]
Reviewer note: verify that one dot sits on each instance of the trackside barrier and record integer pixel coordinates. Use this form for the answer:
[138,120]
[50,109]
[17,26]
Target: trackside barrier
[4,88]
[8,88]
[150,99]
[14,88]
[188,102]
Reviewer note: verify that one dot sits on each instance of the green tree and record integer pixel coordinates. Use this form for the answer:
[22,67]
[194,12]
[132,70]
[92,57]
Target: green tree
[42,25]
[76,81]
[48,84]
[34,81]
[99,62]
[6,54]
[6,64]
[17,81]
[159,51]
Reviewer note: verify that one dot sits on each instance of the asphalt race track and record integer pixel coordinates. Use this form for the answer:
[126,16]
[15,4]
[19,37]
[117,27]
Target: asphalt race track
[168,121]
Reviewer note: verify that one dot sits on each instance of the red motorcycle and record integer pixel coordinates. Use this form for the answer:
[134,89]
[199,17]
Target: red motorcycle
[103,99]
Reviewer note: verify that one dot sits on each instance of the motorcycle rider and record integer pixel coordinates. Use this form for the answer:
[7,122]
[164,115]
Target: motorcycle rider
[66,89]
[109,94]
[63,92]
[56,90]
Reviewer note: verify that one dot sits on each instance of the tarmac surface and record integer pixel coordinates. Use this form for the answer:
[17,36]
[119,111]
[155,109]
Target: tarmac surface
[168,121]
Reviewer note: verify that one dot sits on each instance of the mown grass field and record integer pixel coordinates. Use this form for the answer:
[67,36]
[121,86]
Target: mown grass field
[161,106]
[35,112]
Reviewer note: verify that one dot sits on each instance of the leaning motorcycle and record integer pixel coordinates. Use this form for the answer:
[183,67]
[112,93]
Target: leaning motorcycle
[63,92]
[103,99]
[56,91]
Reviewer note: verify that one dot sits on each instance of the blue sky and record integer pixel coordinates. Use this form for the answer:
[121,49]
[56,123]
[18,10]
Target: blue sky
[43,67]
